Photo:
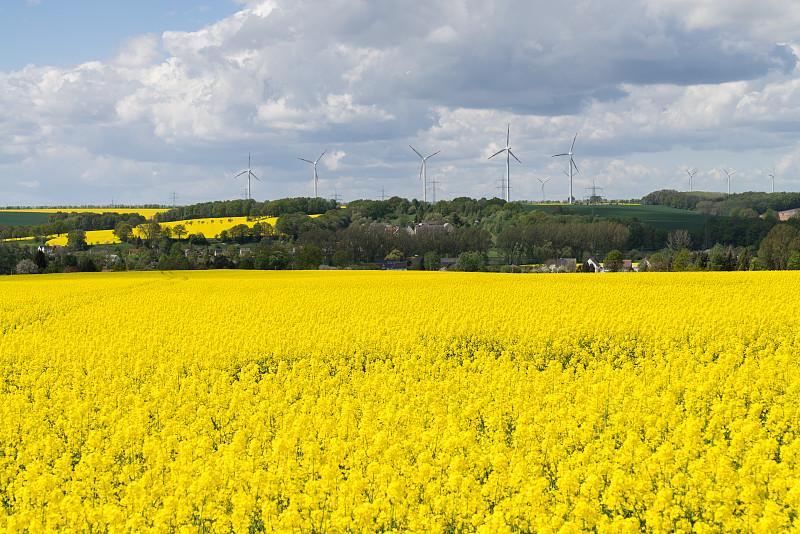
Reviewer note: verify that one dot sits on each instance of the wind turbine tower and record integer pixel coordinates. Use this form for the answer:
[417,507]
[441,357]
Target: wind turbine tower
[249,174]
[508,152]
[543,182]
[314,163]
[691,175]
[729,179]
[571,164]
[423,172]
[772,175]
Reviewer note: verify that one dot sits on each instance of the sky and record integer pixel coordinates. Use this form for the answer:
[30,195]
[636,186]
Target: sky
[162,102]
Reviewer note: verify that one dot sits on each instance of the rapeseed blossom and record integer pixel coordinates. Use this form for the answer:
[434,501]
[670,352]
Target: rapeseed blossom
[229,401]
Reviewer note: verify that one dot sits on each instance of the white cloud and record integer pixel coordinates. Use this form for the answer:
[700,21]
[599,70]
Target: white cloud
[333,160]
[139,51]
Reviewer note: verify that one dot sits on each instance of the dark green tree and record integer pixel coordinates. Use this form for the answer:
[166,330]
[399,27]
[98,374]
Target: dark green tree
[776,247]
[340,258]
[76,240]
[309,257]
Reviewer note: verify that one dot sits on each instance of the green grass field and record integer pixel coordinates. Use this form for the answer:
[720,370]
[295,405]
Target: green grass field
[22,218]
[662,217]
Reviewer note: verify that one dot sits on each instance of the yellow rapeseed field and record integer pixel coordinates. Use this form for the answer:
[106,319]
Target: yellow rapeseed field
[246,401]
[210,228]
[145,212]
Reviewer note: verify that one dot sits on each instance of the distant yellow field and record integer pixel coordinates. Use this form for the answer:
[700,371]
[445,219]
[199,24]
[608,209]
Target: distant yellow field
[362,401]
[145,212]
[210,228]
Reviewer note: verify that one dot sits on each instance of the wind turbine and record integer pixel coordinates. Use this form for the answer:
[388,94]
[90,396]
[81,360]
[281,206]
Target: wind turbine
[543,182]
[691,175]
[314,163]
[571,164]
[772,175]
[508,152]
[423,174]
[729,179]
[249,173]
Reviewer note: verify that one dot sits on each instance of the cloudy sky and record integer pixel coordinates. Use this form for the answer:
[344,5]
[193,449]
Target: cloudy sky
[135,102]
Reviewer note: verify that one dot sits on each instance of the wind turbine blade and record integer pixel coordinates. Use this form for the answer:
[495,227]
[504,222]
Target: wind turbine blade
[421,167]
[573,142]
[415,151]
[556,155]
[573,164]
[508,135]
[308,160]
[433,154]
[515,157]
[241,173]
[320,156]
[254,176]
[498,152]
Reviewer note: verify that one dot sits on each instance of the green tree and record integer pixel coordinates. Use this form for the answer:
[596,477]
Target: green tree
[681,260]
[776,247]
[309,257]
[716,260]
[471,262]
[179,231]
[150,230]
[123,231]
[793,262]
[744,260]
[431,261]
[240,233]
[40,260]
[76,240]
[757,264]
[272,259]
[658,263]
[340,258]
[613,261]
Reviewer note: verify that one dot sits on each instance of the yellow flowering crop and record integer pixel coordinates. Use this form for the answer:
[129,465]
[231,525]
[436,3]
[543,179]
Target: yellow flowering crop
[210,228]
[249,401]
[145,212]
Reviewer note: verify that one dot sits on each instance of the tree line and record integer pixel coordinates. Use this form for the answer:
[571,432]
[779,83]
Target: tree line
[748,204]
[481,233]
